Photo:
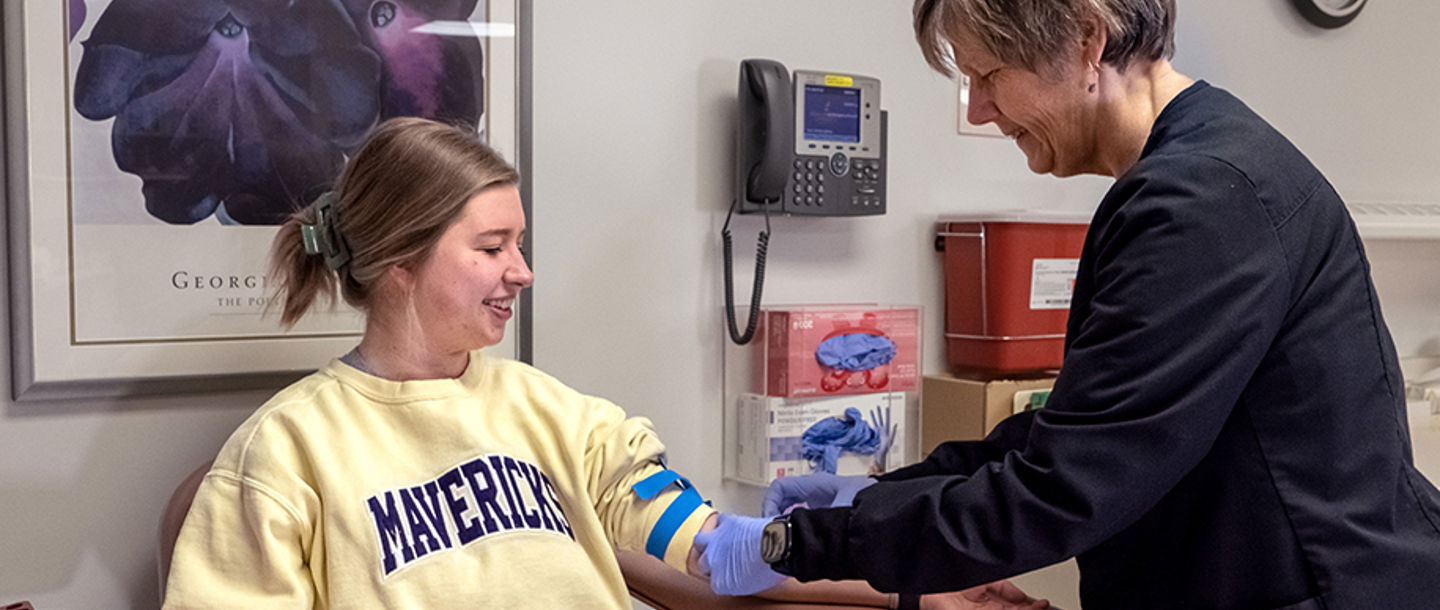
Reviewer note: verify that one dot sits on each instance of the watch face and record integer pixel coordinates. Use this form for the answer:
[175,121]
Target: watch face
[1329,13]
[774,541]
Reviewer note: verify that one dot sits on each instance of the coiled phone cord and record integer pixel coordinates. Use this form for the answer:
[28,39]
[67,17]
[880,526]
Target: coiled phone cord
[762,243]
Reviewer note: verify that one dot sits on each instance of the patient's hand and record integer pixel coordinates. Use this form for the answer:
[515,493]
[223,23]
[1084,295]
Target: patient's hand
[998,595]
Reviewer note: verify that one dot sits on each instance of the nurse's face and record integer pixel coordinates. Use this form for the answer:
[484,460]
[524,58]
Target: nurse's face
[463,292]
[1048,115]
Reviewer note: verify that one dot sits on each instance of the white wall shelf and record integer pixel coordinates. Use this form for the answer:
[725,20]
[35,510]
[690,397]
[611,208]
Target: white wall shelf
[1387,220]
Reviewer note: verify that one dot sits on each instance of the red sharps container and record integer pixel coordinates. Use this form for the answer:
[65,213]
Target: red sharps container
[1008,281]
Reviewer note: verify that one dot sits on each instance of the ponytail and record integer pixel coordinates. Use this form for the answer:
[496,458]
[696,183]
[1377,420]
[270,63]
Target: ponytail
[300,277]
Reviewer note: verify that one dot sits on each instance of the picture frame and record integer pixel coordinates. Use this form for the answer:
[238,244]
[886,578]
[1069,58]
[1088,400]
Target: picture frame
[107,300]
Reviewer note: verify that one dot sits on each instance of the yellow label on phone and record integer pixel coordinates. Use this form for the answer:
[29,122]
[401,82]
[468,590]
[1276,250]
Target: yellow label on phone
[834,80]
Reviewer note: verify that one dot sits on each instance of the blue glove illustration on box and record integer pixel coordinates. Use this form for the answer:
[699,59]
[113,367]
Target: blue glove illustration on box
[887,432]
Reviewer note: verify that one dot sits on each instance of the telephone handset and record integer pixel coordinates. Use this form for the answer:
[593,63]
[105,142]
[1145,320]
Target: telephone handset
[763,140]
[813,145]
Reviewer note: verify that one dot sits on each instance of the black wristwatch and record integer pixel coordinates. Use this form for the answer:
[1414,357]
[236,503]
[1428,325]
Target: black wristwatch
[775,541]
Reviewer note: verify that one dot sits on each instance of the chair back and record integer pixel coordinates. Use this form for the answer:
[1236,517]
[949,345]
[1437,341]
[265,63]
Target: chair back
[174,517]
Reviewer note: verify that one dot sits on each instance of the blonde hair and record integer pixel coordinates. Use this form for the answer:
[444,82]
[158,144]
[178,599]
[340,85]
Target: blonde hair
[1034,33]
[396,196]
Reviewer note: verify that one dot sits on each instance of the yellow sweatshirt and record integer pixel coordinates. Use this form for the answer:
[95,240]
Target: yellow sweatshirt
[502,488]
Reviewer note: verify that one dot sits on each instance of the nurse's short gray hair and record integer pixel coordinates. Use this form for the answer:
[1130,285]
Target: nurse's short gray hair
[1035,33]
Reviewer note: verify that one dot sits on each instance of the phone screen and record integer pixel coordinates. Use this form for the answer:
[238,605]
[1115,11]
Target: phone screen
[832,114]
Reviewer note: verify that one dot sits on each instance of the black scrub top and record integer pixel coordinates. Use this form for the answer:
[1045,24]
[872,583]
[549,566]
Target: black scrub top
[1229,428]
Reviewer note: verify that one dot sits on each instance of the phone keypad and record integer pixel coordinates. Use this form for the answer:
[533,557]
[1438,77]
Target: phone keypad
[866,173]
[809,181]
[840,184]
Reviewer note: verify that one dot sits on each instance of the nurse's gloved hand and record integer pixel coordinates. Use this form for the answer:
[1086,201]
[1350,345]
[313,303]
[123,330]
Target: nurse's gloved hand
[818,490]
[730,555]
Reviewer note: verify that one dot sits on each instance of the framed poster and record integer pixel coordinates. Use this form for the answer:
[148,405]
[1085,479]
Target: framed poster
[154,146]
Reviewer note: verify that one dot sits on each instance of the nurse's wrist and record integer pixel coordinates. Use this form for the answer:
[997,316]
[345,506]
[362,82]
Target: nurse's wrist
[819,546]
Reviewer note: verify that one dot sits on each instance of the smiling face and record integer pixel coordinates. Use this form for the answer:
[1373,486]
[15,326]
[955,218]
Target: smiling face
[464,290]
[1049,114]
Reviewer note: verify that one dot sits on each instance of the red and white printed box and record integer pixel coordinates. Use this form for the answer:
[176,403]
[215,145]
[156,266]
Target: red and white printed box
[789,365]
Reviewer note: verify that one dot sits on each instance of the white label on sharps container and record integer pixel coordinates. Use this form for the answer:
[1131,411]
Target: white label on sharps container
[1052,281]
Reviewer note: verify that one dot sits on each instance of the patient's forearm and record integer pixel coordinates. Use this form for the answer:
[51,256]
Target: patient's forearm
[846,592]
[850,592]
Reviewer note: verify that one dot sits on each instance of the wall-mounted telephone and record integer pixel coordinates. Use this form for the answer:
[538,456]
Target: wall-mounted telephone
[813,145]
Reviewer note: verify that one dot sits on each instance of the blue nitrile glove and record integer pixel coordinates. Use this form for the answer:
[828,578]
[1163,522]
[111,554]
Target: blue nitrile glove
[730,554]
[823,441]
[818,490]
[855,352]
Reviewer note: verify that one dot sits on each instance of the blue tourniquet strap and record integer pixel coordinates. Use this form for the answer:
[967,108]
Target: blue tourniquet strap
[675,515]
[655,483]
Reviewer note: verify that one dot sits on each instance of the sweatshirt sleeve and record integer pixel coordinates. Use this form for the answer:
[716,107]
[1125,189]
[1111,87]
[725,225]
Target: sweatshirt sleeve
[621,452]
[1186,285]
[241,546]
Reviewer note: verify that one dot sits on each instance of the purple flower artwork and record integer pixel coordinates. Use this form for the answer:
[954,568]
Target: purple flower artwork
[245,109]
[77,17]
[422,74]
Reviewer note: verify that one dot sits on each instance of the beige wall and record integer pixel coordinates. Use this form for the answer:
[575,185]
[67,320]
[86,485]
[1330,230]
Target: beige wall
[632,145]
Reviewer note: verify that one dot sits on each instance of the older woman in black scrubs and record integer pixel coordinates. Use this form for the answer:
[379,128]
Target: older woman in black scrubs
[1229,428]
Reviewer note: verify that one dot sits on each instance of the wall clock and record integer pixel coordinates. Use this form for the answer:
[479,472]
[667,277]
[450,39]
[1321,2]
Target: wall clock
[1330,13]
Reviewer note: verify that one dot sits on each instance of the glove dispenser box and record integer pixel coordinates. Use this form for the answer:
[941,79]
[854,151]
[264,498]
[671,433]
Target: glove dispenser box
[770,435]
[1008,281]
[806,367]
[815,351]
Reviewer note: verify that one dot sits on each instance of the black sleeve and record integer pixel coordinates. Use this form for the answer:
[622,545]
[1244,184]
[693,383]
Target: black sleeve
[965,457]
[1184,285]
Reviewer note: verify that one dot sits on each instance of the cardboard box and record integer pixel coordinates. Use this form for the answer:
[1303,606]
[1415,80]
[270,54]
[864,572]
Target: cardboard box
[960,409]
[767,444]
[792,335]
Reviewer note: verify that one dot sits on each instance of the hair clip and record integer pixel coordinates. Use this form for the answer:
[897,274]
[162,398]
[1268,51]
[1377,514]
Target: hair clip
[310,236]
[324,237]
